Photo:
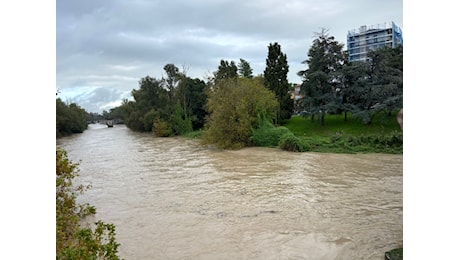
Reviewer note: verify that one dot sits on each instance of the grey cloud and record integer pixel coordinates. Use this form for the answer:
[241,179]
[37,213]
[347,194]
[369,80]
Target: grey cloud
[111,44]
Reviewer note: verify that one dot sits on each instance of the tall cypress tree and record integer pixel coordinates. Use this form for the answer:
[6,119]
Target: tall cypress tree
[275,75]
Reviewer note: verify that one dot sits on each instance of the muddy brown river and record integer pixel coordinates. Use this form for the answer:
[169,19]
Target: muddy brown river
[171,198]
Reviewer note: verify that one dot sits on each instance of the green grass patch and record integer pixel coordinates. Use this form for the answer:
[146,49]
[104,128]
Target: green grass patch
[302,126]
[383,135]
[299,134]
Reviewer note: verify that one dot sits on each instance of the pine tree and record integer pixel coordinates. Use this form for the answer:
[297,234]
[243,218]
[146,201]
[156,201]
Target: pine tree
[321,80]
[244,69]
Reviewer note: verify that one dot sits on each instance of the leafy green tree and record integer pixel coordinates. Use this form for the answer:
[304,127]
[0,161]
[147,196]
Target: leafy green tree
[74,240]
[244,69]
[234,108]
[181,123]
[172,80]
[275,75]
[192,95]
[131,115]
[116,113]
[322,78]
[151,96]
[70,119]
[156,101]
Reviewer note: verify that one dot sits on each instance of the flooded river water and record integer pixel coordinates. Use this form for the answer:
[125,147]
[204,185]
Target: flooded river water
[171,198]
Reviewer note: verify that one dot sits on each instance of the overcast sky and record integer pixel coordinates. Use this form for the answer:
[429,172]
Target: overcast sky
[104,47]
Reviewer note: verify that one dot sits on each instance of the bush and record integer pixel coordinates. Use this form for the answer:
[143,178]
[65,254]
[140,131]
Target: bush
[392,142]
[181,123]
[290,142]
[234,107]
[162,128]
[269,137]
[266,134]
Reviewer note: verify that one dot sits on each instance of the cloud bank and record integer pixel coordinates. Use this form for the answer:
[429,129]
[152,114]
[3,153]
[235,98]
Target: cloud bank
[103,48]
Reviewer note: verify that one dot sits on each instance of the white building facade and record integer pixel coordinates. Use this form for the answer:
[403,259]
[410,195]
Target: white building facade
[367,38]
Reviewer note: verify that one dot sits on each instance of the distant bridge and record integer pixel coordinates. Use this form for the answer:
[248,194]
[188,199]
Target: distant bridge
[106,121]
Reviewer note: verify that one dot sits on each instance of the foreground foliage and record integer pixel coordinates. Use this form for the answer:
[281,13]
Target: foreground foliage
[74,241]
[395,254]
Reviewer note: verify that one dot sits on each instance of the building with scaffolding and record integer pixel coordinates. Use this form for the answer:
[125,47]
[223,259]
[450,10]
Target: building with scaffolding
[367,38]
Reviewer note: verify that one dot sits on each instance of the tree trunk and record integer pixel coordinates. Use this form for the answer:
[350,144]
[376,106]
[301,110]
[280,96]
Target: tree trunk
[322,119]
[345,116]
[400,118]
[312,118]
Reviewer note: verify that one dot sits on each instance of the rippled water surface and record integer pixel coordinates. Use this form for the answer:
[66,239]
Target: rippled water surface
[171,198]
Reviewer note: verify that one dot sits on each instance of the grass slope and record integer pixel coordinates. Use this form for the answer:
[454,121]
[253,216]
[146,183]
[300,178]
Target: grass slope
[383,135]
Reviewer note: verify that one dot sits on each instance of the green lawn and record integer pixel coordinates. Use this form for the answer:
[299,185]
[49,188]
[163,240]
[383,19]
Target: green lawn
[383,135]
[303,127]
[338,136]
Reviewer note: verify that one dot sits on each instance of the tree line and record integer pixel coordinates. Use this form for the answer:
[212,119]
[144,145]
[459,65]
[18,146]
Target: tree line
[233,103]
[70,118]
[178,104]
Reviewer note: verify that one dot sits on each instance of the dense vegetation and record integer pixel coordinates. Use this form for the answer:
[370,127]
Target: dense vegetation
[234,106]
[73,239]
[170,106]
[349,136]
[333,85]
[233,109]
[70,119]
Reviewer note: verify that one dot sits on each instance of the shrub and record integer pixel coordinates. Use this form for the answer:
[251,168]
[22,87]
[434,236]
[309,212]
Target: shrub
[162,128]
[149,118]
[234,106]
[181,123]
[269,137]
[267,134]
[392,142]
[290,142]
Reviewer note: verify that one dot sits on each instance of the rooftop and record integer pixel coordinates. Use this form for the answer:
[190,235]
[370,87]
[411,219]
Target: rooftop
[365,28]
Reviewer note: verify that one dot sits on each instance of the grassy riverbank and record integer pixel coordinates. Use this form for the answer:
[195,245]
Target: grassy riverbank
[383,135]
